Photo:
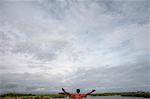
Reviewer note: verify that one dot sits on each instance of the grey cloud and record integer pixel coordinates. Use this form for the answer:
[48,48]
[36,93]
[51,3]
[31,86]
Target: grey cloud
[23,82]
[127,76]
[12,42]
[39,66]
[130,12]
[54,6]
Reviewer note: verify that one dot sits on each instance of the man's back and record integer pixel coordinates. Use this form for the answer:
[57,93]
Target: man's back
[77,96]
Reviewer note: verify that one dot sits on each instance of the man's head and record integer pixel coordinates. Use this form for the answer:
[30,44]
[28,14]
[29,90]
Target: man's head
[78,90]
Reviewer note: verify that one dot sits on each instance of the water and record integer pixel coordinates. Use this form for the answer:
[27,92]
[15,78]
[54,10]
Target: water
[114,97]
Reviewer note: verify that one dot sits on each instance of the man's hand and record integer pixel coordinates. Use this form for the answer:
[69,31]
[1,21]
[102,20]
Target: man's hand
[63,89]
[93,90]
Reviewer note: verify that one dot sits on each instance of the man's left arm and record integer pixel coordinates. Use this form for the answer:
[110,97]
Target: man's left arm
[90,92]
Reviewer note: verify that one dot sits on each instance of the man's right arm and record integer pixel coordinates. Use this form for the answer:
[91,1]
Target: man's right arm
[67,93]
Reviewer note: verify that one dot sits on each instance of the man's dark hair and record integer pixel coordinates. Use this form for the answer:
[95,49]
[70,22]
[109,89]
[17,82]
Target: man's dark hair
[78,90]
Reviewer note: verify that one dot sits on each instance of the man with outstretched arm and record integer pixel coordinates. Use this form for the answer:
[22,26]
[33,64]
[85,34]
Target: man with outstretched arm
[77,95]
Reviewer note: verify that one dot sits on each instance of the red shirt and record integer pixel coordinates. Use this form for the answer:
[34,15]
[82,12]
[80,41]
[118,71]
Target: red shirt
[77,96]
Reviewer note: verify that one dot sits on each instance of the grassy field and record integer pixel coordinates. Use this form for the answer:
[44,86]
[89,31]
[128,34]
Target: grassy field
[55,96]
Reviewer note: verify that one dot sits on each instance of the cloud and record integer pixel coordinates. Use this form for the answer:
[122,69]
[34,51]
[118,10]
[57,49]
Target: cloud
[126,77]
[57,43]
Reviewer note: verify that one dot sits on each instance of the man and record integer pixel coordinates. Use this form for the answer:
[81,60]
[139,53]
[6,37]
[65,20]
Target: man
[77,95]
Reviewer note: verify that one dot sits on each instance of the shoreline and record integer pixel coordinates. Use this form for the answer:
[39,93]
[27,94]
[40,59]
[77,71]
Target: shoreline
[50,96]
[125,94]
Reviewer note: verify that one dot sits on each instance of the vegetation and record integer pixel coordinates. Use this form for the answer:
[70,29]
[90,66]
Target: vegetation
[137,94]
[60,95]
[31,96]
[129,94]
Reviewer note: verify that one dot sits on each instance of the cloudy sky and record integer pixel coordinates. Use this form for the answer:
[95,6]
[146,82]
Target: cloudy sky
[88,44]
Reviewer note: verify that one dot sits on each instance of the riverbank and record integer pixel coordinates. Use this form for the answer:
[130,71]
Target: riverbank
[125,94]
[51,96]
